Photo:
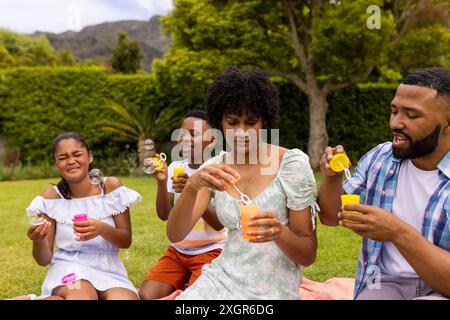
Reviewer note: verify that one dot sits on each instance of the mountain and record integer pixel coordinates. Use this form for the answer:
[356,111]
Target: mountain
[97,41]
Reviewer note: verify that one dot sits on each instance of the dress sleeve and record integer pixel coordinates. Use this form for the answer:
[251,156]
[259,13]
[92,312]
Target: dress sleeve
[119,200]
[98,207]
[297,180]
[36,206]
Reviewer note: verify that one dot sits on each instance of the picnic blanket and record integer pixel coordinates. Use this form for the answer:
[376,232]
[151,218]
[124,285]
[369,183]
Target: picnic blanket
[331,289]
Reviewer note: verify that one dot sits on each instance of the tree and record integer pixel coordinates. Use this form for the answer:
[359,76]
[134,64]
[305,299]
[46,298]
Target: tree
[138,124]
[126,55]
[27,50]
[67,58]
[422,37]
[6,59]
[320,46]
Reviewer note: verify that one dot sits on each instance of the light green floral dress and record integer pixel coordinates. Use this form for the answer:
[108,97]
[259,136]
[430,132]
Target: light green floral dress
[247,270]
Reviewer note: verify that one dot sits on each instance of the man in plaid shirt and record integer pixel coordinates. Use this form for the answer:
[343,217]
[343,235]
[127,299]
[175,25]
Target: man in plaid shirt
[404,188]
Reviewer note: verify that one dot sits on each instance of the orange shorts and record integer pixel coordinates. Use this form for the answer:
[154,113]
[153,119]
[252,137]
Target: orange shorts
[180,270]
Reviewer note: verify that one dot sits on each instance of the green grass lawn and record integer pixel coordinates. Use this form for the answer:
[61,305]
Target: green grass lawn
[337,253]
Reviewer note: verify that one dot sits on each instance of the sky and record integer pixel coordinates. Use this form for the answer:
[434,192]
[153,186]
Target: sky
[28,16]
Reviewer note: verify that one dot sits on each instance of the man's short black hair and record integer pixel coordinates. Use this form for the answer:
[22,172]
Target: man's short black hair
[200,114]
[434,78]
[236,91]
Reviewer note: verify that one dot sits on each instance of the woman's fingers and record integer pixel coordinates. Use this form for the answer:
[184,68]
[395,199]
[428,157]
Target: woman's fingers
[212,181]
[214,176]
[260,222]
[224,172]
[269,227]
[266,234]
[263,214]
[234,174]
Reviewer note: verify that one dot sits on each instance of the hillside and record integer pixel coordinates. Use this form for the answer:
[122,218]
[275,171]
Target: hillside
[97,40]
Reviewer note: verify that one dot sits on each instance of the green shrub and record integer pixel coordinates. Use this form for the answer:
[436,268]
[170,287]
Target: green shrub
[27,172]
[39,103]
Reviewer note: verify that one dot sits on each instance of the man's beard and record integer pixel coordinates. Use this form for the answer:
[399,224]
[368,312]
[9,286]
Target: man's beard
[419,148]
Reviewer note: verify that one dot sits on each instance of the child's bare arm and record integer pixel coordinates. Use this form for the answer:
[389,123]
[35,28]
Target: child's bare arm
[43,241]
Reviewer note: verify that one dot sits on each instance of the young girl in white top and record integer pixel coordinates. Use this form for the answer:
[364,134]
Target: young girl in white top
[86,264]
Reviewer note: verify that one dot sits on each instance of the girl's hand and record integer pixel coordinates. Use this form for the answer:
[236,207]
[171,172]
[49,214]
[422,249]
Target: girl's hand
[87,230]
[271,227]
[37,233]
[179,182]
[216,176]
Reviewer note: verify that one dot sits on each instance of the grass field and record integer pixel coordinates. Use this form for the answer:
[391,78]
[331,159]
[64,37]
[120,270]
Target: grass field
[337,253]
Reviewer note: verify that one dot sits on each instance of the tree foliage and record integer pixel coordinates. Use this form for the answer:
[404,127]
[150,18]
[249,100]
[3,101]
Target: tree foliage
[126,55]
[22,50]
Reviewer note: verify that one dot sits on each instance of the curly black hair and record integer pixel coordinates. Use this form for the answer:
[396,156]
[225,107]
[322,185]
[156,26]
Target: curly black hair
[242,91]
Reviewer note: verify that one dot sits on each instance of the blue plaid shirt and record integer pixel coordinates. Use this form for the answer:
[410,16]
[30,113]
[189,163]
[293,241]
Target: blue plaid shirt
[375,180]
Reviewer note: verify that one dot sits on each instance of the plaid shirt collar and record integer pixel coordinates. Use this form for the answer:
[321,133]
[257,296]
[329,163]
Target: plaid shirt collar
[444,165]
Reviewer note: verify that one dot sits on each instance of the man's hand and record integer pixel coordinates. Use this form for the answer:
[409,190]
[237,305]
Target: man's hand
[326,157]
[374,223]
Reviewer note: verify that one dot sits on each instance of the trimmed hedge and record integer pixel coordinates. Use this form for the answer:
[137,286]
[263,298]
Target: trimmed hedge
[38,103]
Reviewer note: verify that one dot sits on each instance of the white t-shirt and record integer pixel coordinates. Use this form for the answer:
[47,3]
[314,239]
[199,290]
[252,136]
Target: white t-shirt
[203,237]
[178,164]
[414,189]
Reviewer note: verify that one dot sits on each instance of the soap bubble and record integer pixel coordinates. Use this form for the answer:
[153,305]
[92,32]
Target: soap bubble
[35,218]
[96,176]
[150,164]
[149,144]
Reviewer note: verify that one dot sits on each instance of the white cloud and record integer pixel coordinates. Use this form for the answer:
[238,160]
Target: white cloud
[28,16]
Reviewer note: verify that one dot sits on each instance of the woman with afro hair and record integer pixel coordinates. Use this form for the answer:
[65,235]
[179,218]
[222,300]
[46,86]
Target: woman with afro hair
[280,182]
